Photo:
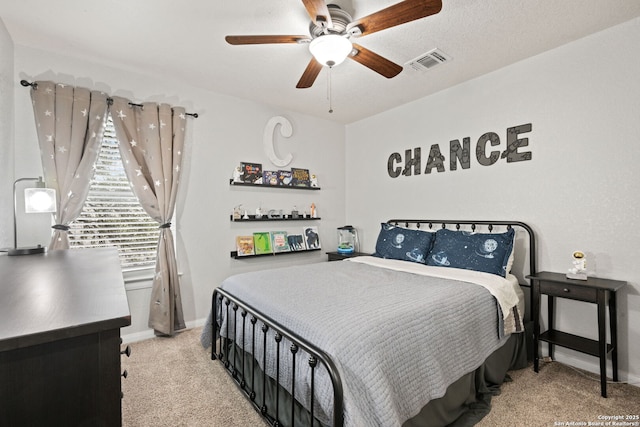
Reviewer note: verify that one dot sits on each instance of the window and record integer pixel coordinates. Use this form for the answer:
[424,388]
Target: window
[112,214]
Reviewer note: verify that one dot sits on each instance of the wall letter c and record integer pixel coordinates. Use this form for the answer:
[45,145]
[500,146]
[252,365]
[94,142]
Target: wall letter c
[286,130]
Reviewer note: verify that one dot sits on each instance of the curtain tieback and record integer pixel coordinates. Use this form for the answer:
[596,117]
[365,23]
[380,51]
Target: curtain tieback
[165,225]
[60,227]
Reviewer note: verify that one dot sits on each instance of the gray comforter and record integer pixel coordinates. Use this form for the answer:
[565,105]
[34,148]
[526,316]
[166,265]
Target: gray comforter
[398,339]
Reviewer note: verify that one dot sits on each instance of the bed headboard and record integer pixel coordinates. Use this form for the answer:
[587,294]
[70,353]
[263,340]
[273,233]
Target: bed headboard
[525,262]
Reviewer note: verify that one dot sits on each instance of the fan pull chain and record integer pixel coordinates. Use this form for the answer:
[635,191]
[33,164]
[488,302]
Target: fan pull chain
[329,90]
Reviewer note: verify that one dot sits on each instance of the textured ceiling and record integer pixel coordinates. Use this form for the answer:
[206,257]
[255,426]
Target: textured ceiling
[185,41]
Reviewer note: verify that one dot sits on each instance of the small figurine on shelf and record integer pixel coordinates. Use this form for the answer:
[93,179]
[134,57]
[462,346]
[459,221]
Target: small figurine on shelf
[313,210]
[237,174]
[259,212]
[294,213]
[275,214]
[314,180]
[245,216]
[579,269]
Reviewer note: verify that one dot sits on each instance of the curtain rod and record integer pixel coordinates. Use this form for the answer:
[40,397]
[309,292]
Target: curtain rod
[34,85]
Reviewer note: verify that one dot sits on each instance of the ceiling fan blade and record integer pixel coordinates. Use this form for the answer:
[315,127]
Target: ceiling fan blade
[239,40]
[309,75]
[397,14]
[375,62]
[318,11]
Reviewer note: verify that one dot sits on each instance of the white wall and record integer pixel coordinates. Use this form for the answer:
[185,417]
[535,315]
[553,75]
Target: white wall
[228,131]
[6,136]
[580,190]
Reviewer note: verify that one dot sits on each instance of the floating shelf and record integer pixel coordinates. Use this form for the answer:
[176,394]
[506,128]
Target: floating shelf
[286,187]
[252,218]
[234,254]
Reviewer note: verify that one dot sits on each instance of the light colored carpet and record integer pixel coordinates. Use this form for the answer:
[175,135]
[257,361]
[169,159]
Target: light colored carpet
[173,382]
[559,395]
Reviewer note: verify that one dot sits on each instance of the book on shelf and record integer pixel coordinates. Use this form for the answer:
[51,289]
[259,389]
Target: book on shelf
[262,242]
[245,245]
[311,238]
[251,172]
[284,178]
[279,241]
[296,242]
[270,177]
[300,177]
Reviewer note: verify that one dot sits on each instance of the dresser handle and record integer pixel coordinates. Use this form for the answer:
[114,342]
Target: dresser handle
[127,351]
[566,289]
[125,374]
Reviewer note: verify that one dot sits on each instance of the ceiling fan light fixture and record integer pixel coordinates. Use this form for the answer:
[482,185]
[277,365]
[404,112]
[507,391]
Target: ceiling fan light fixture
[330,49]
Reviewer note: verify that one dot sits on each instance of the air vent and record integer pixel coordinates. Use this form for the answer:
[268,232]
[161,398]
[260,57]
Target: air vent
[429,60]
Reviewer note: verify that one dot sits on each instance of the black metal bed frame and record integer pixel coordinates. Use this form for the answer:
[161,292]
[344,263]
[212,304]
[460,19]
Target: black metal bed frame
[223,347]
[316,355]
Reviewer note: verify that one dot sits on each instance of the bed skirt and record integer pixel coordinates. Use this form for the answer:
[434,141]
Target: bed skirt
[465,403]
[468,399]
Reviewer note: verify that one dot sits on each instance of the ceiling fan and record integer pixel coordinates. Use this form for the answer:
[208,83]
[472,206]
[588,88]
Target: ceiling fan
[331,30]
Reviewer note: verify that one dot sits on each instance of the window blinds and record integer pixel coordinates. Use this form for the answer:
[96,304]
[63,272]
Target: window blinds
[112,215]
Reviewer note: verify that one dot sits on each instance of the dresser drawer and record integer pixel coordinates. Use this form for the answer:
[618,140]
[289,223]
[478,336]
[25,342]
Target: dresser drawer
[575,292]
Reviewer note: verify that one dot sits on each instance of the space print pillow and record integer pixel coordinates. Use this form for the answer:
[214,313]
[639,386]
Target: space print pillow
[472,251]
[403,243]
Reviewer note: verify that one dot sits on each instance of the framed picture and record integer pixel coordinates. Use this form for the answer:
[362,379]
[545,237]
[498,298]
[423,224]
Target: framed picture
[284,178]
[279,241]
[270,177]
[245,245]
[262,243]
[311,237]
[251,172]
[300,177]
[296,242]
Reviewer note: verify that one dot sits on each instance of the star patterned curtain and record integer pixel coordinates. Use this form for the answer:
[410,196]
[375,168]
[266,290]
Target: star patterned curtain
[151,141]
[70,122]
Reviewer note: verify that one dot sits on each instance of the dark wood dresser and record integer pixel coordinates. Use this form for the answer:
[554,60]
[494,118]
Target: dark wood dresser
[60,319]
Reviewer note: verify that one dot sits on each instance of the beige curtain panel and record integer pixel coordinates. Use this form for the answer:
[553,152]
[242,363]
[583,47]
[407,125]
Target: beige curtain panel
[70,122]
[151,145]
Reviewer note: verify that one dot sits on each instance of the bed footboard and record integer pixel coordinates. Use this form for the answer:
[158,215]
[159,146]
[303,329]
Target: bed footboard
[267,394]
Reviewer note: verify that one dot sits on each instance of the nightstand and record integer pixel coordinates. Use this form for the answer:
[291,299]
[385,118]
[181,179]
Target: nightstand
[335,256]
[593,290]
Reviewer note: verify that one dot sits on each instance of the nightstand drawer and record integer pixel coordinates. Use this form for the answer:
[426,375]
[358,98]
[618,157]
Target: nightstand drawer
[564,290]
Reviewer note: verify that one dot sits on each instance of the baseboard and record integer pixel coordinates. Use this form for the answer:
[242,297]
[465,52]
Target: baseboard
[593,367]
[148,333]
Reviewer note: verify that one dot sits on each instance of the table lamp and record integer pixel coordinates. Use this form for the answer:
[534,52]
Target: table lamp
[36,200]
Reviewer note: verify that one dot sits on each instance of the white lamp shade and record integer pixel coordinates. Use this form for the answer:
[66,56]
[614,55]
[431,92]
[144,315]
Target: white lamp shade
[330,49]
[38,200]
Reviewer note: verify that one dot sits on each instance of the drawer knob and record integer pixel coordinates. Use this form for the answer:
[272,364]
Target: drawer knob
[566,290]
[126,351]
[125,374]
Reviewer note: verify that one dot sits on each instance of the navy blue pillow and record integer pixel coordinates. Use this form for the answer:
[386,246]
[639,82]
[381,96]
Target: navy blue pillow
[403,243]
[472,251]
